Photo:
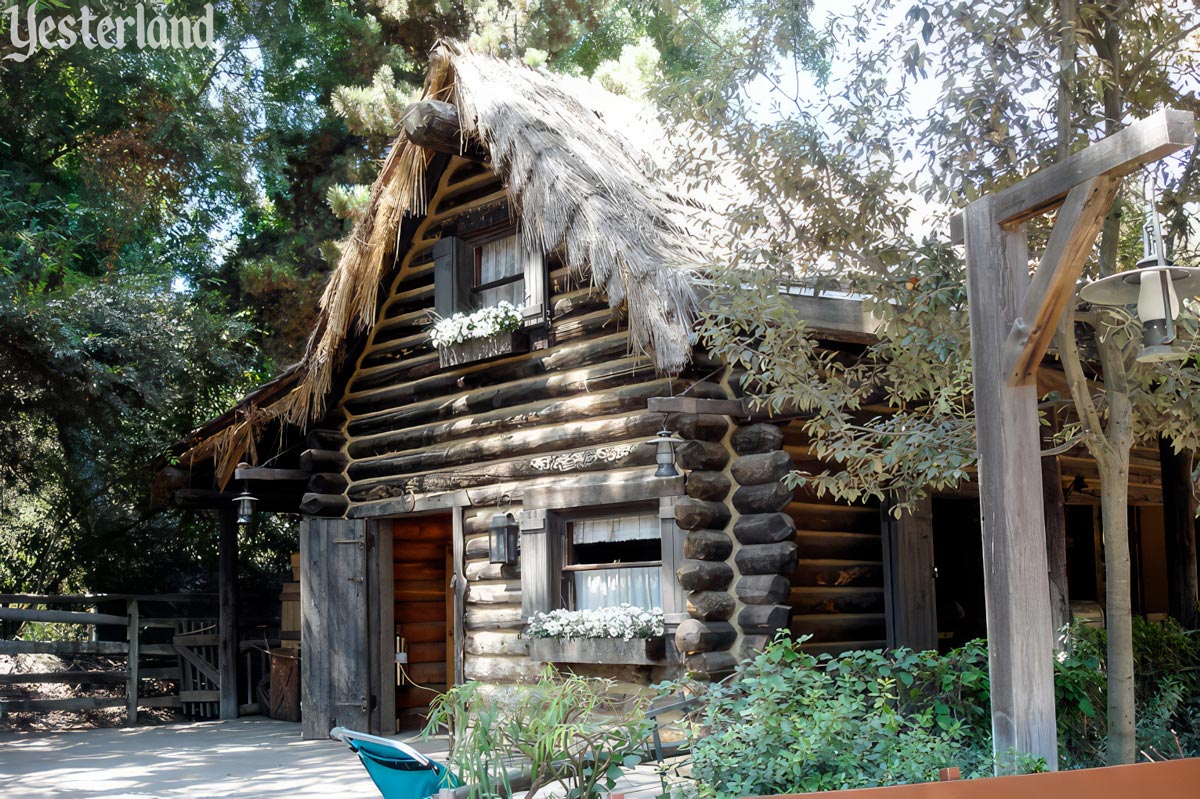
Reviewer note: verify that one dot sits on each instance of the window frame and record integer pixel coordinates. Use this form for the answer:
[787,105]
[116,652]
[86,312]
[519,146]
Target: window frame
[543,534]
[455,259]
[568,569]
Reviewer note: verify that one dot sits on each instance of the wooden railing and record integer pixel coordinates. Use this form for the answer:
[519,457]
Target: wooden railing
[22,609]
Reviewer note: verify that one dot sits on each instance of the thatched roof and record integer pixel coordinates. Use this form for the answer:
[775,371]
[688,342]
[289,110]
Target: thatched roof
[589,177]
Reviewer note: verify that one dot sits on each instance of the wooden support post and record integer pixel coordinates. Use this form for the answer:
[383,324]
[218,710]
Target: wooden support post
[908,577]
[1179,517]
[227,625]
[1011,323]
[1020,640]
[131,685]
[1055,511]
[458,583]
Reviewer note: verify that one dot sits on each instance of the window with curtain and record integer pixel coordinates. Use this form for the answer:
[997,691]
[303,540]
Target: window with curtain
[612,560]
[499,273]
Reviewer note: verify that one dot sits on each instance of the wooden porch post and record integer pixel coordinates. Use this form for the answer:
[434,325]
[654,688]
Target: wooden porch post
[227,624]
[1179,521]
[1013,318]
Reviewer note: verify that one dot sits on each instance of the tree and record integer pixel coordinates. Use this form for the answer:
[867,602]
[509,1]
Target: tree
[829,180]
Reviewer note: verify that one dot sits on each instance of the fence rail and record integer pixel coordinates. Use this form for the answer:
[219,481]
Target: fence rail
[132,648]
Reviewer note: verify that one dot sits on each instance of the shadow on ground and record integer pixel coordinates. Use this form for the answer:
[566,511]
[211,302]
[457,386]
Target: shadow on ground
[252,757]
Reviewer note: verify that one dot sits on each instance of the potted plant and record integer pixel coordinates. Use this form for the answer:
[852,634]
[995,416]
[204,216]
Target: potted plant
[486,333]
[622,634]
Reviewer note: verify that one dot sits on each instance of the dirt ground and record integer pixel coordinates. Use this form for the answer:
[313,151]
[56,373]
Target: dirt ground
[62,719]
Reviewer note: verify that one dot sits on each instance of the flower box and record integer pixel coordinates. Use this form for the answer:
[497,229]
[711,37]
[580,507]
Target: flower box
[635,651]
[480,349]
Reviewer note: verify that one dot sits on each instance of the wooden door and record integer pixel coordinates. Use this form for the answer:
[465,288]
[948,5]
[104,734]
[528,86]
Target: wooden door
[343,626]
[423,613]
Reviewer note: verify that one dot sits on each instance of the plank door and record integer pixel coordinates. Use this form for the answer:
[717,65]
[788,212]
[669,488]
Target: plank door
[342,657]
[423,615]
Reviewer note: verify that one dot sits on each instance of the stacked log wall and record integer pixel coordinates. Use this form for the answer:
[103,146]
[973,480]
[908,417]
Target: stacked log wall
[575,404]
[837,586]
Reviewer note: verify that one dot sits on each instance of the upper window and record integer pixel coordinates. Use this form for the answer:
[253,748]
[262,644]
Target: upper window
[612,560]
[486,268]
[499,273]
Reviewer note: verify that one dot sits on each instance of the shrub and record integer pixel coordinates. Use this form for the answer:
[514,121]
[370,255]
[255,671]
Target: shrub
[789,721]
[566,729]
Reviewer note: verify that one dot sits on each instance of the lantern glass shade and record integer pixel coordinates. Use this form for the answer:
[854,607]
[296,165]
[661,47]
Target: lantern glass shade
[503,535]
[245,506]
[1155,289]
[664,454]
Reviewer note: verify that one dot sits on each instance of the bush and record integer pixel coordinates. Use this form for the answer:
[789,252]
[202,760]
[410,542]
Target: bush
[565,729]
[1167,692]
[789,721]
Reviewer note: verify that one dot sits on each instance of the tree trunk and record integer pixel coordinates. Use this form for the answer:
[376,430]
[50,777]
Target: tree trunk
[1114,488]
[1112,460]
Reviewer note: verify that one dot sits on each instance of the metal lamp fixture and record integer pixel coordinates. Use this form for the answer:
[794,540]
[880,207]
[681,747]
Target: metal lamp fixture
[664,454]
[503,538]
[1154,287]
[245,502]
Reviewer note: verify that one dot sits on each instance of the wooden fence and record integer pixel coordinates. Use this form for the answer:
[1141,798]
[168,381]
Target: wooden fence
[159,658]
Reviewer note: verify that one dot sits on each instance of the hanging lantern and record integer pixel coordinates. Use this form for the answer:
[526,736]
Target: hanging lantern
[664,454]
[503,537]
[1154,286]
[245,502]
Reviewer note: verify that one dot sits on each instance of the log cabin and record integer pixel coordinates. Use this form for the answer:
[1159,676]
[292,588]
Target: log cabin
[404,460]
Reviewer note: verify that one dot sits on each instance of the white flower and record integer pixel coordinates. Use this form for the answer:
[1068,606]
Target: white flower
[484,323]
[623,621]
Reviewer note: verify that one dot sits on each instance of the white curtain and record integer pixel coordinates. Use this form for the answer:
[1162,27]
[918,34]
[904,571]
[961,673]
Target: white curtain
[639,586]
[616,528]
[498,259]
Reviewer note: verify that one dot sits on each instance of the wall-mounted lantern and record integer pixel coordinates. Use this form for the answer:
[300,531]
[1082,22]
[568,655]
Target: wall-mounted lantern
[245,502]
[664,454]
[503,538]
[1154,287]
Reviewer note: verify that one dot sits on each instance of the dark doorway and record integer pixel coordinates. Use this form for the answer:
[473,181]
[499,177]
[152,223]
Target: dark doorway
[958,560]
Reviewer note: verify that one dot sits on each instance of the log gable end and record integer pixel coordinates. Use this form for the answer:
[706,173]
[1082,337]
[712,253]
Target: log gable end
[476,439]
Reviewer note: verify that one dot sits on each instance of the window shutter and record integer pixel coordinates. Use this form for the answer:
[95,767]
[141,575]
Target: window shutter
[539,576]
[452,266]
[537,303]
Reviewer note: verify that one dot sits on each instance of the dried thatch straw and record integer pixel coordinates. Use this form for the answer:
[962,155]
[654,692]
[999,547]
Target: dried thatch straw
[580,187]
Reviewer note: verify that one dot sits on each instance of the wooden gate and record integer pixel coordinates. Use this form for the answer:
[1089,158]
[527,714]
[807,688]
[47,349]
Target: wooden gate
[346,639]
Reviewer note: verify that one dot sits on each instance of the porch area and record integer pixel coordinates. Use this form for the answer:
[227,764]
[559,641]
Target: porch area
[250,757]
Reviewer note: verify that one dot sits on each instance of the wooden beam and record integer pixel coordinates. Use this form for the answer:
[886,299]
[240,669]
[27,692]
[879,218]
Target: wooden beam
[435,126]
[908,575]
[1016,589]
[273,475]
[1142,142]
[131,685]
[61,616]
[227,647]
[1053,285]
[725,407]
